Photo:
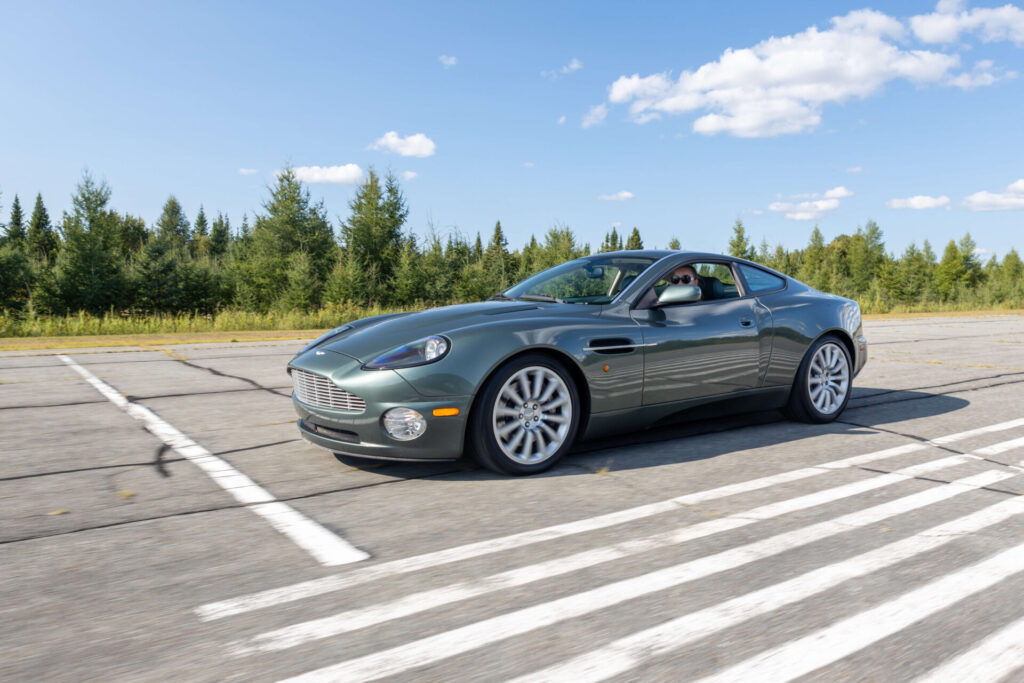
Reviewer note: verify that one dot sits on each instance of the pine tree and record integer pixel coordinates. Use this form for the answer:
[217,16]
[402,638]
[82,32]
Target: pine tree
[42,240]
[173,225]
[292,222]
[15,236]
[220,235]
[634,242]
[739,245]
[372,237]
[674,244]
[89,273]
[612,241]
[949,274]
[132,235]
[199,242]
[497,261]
[409,280]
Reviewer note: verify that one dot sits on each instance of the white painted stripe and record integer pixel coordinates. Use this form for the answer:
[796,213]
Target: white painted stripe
[327,547]
[960,436]
[352,620]
[434,648]
[638,648]
[832,643]
[996,657]
[1001,447]
[328,584]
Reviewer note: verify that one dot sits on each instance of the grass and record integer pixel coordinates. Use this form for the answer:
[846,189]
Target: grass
[32,331]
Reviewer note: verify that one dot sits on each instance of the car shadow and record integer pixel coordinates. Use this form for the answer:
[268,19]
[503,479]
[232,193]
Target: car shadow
[870,410]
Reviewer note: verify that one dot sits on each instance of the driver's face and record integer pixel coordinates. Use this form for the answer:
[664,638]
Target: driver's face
[684,275]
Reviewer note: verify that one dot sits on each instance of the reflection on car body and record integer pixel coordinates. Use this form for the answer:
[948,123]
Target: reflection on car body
[606,343]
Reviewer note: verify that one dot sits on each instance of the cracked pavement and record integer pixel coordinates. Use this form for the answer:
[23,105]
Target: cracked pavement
[110,540]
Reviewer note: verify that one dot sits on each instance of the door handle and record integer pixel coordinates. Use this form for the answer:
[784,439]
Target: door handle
[746,322]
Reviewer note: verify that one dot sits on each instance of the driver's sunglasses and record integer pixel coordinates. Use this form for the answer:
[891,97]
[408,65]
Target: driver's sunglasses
[683,279]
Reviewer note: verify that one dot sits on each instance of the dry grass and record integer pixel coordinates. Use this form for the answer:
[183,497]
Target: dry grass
[144,340]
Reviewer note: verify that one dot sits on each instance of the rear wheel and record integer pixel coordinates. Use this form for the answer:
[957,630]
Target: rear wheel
[526,417]
[823,383]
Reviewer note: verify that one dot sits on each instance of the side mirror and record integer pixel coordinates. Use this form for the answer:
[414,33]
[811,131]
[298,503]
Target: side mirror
[679,294]
[595,272]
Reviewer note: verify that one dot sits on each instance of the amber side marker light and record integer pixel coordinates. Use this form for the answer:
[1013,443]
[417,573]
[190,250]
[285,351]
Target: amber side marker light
[445,412]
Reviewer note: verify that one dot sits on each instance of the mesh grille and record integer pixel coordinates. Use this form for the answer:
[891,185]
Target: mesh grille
[319,391]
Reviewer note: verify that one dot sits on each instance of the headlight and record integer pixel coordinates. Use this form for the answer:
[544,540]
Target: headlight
[404,424]
[426,350]
[325,336]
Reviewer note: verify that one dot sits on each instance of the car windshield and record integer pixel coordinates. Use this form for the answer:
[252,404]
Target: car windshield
[590,280]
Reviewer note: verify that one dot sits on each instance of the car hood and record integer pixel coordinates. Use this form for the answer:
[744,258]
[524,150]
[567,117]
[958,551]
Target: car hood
[372,337]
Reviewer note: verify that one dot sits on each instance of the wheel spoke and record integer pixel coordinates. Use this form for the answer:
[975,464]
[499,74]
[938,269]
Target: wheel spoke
[538,382]
[504,411]
[549,391]
[508,428]
[557,403]
[516,440]
[555,418]
[511,393]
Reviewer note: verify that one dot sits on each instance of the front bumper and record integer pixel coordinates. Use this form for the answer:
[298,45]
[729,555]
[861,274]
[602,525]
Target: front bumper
[362,434]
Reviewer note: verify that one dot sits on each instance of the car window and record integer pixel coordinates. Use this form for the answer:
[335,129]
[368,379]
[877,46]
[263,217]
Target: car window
[590,280]
[714,279]
[759,281]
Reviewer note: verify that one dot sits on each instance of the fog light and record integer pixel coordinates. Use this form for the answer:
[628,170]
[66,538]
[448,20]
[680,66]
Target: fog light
[404,424]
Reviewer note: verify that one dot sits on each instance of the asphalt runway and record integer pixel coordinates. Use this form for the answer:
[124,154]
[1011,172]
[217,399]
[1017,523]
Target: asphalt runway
[162,520]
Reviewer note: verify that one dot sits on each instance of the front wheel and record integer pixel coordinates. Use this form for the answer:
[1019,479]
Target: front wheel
[526,417]
[823,383]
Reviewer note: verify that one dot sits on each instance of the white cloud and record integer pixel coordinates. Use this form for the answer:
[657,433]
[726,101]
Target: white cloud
[595,116]
[920,201]
[814,206]
[855,169]
[1010,200]
[409,175]
[448,61]
[528,164]
[949,20]
[780,85]
[573,65]
[620,196]
[617,224]
[247,171]
[342,175]
[418,145]
[561,119]
[985,72]
[838,193]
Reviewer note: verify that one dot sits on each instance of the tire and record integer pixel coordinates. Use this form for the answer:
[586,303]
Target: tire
[823,383]
[510,434]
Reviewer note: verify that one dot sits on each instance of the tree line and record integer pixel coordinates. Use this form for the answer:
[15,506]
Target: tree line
[290,257]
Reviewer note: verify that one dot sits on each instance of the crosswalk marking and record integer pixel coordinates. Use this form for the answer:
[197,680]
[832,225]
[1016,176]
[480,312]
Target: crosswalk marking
[827,645]
[633,650]
[352,620]
[434,648]
[994,658]
[306,589]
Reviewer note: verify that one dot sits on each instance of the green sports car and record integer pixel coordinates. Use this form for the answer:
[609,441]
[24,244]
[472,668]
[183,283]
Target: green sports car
[607,343]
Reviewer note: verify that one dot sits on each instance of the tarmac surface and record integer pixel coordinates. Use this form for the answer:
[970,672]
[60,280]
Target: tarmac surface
[161,519]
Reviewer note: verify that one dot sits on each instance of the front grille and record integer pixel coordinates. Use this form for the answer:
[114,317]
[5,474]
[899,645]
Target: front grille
[319,391]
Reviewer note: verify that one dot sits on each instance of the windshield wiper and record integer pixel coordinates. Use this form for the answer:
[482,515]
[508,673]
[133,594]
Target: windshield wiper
[541,297]
[502,297]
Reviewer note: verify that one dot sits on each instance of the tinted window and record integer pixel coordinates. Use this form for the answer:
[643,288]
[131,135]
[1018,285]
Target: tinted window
[759,281]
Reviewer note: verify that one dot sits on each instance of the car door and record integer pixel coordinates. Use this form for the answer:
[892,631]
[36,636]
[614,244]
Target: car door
[702,348]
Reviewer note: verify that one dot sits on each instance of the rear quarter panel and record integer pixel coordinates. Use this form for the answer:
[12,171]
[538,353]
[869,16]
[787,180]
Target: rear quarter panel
[801,315]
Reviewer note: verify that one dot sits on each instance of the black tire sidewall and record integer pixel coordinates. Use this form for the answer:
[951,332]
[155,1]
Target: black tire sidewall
[806,410]
[482,442]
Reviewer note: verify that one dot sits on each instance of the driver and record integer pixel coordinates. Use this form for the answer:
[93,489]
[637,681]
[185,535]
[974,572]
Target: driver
[686,275]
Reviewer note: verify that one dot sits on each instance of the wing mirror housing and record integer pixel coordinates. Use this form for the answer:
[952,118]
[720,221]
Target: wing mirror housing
[679,294]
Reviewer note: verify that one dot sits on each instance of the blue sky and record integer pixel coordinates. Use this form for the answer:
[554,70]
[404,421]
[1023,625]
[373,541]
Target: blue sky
[737,110]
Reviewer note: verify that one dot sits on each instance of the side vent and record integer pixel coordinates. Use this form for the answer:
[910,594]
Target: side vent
[612,346]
